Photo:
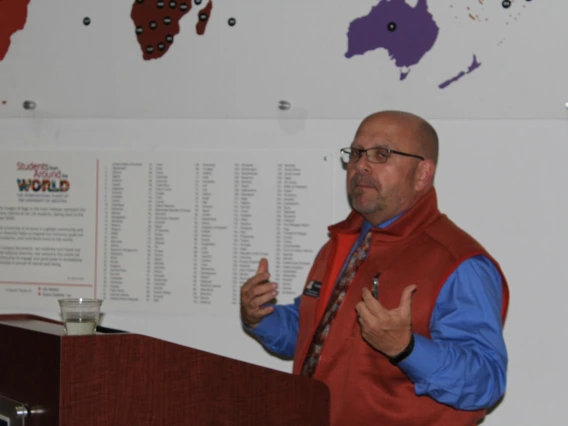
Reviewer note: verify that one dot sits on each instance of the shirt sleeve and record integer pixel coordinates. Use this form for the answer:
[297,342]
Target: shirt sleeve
[278,332]
[464,364]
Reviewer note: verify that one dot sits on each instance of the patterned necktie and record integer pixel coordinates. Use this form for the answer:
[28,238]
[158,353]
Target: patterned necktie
[333,305]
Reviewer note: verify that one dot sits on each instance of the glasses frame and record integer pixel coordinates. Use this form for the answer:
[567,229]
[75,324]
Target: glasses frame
[360,153]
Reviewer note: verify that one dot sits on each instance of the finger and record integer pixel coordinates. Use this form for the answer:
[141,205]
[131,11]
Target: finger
[372,304]
[253,318]
[262,274]
[259,301]
[363,311]
[254,281]
[264,288]
[406,299]
[248,293]
[262,266]
[261,313]
[361,322]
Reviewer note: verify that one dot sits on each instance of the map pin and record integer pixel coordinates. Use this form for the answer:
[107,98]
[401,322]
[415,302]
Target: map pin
[29,105]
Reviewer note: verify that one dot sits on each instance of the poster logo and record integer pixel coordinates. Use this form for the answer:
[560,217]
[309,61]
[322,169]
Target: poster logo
[42,177]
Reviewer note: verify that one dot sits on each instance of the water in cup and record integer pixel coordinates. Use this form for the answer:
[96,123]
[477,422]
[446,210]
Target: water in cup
[80,316]
[78,327]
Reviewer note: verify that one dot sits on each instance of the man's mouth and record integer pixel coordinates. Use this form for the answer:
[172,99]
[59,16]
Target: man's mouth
[363,184]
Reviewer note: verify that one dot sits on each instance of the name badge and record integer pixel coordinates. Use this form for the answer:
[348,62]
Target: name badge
[312,289]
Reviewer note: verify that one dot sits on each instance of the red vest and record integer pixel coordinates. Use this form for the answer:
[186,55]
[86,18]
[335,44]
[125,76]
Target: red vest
[422,247]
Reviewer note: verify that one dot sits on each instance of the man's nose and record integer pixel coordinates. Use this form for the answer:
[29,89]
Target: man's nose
[363,163]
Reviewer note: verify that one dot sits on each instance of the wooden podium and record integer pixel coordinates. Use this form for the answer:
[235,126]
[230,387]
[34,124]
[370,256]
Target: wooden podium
[119,379]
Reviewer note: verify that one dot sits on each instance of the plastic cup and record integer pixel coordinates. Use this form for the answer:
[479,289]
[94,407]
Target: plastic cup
[80,316]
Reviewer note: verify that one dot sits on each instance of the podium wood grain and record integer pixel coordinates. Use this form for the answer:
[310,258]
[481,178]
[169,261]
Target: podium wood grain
[131,379]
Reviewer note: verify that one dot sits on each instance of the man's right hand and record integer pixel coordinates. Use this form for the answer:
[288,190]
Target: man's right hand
[255,294]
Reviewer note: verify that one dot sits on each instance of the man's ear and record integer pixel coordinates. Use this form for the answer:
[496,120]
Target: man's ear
[424,175]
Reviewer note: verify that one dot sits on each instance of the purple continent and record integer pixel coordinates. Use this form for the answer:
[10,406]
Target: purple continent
[406,32]
[475,64]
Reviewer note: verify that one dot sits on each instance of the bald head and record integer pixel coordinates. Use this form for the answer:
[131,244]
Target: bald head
[381,188]
[424,140]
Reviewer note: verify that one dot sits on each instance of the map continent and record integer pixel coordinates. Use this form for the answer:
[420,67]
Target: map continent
[406,32]
[13,16]
[157,23]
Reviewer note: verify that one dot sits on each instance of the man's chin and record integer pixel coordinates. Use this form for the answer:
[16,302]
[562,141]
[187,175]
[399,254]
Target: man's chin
[363,208]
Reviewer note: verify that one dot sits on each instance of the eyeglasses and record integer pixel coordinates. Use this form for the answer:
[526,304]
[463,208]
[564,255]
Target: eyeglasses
[374,155]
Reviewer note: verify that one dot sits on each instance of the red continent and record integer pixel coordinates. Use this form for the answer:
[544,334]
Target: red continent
[157,23]
[204,15]
[13,15]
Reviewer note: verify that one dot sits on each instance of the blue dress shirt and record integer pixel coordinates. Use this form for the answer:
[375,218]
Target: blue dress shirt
[464,364]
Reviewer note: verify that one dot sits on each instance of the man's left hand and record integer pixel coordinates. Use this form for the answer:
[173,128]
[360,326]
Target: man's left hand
[388,331]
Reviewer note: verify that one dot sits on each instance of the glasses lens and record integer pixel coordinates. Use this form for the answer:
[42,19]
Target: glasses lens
[378,155]
[348,155]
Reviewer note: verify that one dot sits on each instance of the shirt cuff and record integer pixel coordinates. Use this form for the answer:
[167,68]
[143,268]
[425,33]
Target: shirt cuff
[265,329]
[423,362]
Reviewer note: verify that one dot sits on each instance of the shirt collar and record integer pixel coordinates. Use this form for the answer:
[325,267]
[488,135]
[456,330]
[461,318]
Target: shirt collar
[367,225]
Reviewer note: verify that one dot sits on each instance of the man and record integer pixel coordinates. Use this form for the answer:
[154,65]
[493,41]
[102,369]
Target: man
[425,346]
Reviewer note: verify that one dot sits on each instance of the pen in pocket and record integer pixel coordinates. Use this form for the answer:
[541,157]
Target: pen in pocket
[375,286]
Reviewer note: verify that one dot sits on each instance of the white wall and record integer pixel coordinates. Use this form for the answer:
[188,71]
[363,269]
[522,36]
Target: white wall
[503,181]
